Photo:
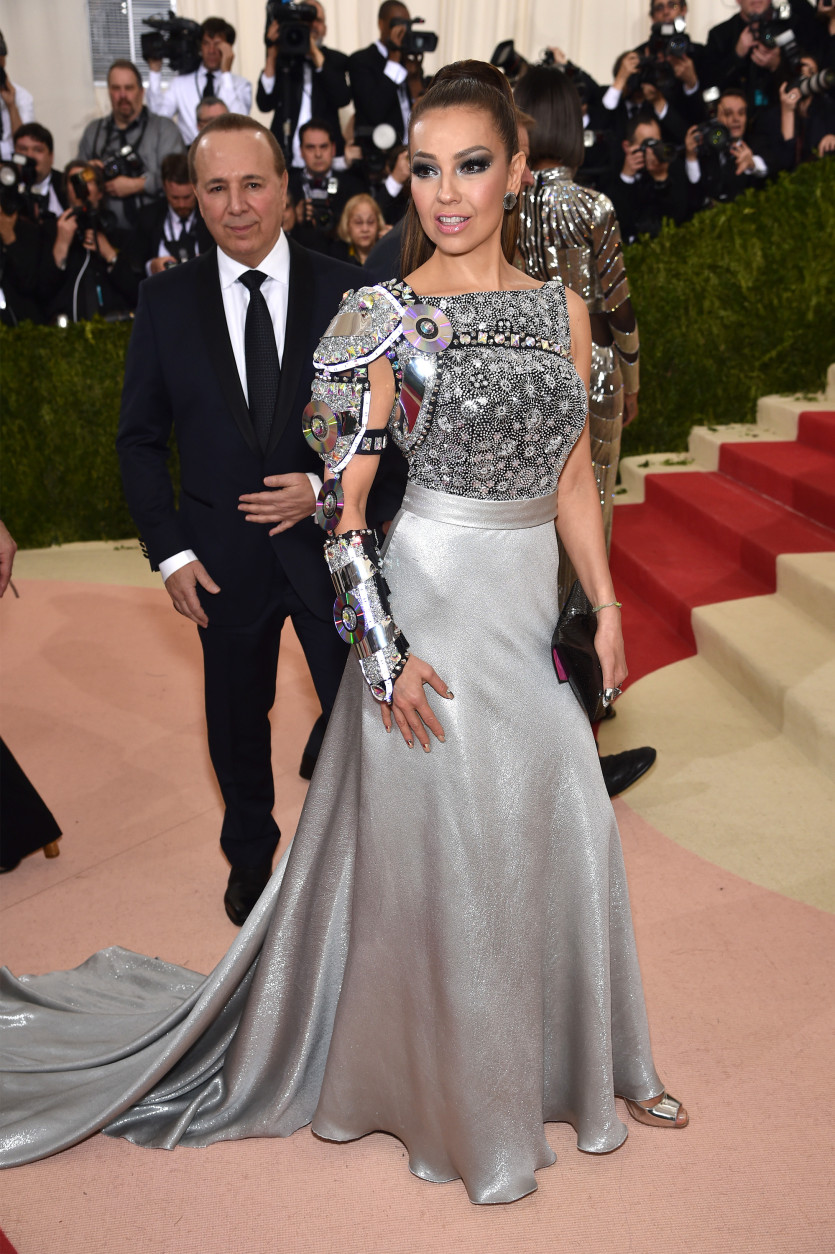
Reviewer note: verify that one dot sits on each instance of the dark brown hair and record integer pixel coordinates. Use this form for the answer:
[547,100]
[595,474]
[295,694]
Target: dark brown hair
[236,122]
[174,168]
[214,26]
[122,63]
[464,85]
[557,132]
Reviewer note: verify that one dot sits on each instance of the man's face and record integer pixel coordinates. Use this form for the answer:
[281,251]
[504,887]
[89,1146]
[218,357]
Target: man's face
[211,51]
[92,187]
[667,10]
[240,193]
[385,26]
[753,8]
[207,114]
[28,147]
[126,95]
[180,197]
[732,111]
[648,130]
[318,151]
[319,26]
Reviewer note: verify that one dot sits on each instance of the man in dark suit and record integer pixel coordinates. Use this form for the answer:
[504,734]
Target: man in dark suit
[297,89]
[384,80]
[173,229]
[221,349]
[35,141]
[741,51]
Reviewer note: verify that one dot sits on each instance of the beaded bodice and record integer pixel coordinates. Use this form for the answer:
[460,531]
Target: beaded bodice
[496,413]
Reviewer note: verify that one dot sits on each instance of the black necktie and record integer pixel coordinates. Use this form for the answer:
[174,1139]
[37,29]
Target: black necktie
[263,370]
[209,89]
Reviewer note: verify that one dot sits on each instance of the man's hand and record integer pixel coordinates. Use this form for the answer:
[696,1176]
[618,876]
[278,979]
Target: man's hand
[158,264]
[685,71]
[628,66]
[317,56]
[633,161]
[8,221]
[8,93]
[291,500]
[402,170]
[124,186]
[766,58]
[181,586]
[559,56]
[8,548]
[743,156]
[353,153]
[826,145]
[745,43]
[789,98]
[155,66]
[691,144]
[630,407]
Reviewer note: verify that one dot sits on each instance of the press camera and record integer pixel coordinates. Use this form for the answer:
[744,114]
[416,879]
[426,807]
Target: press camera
[175,40]
[17,177]
[415,42]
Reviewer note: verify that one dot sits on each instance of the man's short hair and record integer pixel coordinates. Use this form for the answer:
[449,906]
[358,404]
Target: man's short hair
[174,168]
[316,124]
[230,122]
[122,63]
[642,118]
[735,93]
[210,101]
[217,26]
[34,130]
[387,8]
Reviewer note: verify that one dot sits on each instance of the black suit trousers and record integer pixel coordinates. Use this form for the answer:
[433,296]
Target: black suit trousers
[239,667]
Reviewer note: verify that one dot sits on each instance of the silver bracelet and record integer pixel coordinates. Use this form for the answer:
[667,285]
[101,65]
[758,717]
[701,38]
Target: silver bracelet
[605,606]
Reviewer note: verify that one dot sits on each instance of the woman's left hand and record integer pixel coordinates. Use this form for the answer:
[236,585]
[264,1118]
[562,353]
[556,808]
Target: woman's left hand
[608,643]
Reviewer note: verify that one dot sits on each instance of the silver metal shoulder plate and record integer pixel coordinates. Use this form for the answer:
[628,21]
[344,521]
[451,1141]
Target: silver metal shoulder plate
[367,323]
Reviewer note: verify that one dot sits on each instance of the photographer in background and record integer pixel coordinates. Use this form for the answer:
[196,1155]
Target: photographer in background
[748,51]
[213,78]
[316,85]
[652,185]
[384,79]
[322,190]
[35,141]
[85,268]
[129,145]
[20,253]
[638,87]
[732,162]
[394,192]
[16,105]
[807,118]
[172,231]
[209,108]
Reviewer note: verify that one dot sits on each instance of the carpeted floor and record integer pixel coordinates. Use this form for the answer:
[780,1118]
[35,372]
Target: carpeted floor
[102,706]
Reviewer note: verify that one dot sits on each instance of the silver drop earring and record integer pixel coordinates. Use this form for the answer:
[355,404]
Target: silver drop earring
[509,201]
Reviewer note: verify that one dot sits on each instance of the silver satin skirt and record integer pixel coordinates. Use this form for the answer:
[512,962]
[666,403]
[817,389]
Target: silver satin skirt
[444,953]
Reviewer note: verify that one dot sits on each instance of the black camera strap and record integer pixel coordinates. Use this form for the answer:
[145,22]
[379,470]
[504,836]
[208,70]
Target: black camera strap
[112,130]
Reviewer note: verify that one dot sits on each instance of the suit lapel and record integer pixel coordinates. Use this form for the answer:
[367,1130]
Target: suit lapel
[216,334]
[296,341]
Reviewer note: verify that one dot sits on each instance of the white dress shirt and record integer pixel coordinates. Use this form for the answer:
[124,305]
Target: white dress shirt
[46,188]
[276,266]
[184,93]
[171,232]
[305,108]
[26,109]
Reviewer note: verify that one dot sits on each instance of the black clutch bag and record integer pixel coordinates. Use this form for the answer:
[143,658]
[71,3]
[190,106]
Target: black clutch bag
[575,658]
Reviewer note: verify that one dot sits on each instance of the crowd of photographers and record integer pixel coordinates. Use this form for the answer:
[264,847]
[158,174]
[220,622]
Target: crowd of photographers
[681,127]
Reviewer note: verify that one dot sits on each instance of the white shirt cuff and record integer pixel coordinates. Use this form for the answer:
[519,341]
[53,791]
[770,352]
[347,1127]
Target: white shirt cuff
[170,564]
[392,186]
[611,98]
[760,169]
[694,170]
[316,485]
[268,82]
[691,91]
[396,72]
[627,178]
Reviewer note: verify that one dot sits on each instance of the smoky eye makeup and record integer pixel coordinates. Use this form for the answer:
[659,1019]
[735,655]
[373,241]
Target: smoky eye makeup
[422,169]
[476,165]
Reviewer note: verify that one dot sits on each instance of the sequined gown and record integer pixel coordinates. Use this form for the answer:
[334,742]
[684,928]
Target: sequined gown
[570,232]
[446,951]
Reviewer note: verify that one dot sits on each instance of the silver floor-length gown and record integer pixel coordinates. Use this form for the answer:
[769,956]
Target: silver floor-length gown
[445,952]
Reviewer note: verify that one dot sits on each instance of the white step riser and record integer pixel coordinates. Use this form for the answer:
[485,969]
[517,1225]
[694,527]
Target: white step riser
[740,669]
[810,590]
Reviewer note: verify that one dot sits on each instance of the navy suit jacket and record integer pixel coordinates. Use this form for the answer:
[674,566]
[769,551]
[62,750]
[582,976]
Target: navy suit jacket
[180,373]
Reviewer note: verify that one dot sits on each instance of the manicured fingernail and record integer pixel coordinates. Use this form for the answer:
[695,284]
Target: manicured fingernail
[442,739]
[388,729]
[427,748]
[410,743]
[449,694]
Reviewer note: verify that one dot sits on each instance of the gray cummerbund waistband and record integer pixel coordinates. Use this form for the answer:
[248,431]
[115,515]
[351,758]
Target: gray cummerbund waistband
[467,511]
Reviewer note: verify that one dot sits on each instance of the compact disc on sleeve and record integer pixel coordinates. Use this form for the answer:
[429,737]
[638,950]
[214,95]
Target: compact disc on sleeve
[330,504]
[427,328]
[320,426]
[349,618]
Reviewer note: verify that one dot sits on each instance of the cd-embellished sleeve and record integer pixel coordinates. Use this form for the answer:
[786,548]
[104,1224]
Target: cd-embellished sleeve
[366,326]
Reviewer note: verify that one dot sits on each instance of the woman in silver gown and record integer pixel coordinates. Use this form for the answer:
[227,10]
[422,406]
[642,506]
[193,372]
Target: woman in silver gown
[445,952]
[571,233]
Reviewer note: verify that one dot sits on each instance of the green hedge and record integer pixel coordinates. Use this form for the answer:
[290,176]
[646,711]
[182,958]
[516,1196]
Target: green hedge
[734,305]
[737,303]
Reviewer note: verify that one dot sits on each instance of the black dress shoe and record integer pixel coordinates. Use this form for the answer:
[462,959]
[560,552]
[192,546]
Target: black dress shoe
[622,769]
[246,884]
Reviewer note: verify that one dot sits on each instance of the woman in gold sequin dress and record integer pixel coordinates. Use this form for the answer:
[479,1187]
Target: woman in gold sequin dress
[570,232]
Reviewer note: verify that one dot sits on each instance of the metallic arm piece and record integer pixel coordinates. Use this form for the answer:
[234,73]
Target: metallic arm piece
[627,348]
[361,611]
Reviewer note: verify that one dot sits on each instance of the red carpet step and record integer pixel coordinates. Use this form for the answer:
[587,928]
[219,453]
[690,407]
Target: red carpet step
[705,537]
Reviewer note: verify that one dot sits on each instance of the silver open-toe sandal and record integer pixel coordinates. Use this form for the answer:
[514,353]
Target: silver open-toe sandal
[665,1113]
